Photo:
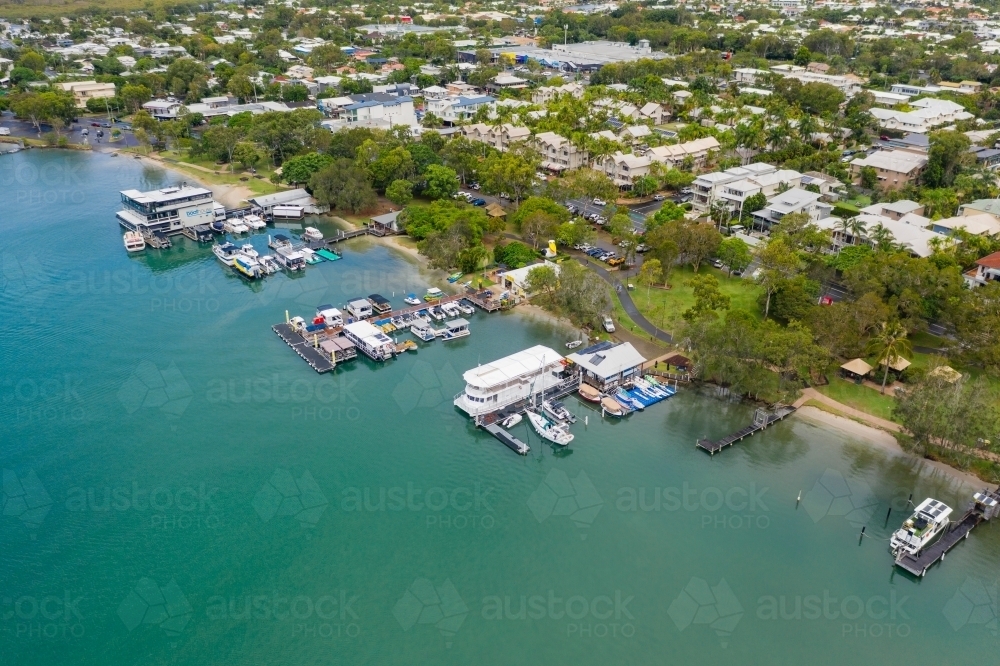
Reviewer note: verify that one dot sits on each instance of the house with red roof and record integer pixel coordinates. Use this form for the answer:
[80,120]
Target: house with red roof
[987,268]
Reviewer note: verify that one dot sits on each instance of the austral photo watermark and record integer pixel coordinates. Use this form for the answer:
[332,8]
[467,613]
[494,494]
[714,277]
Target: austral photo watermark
[456,507]
[577,616]
[183,507]
[733,508]
[181,292]
[308,399]
[37,400]
[330,616]
[851,616]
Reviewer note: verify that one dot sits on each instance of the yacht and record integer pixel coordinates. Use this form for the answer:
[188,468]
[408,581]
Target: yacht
[235,225]
[411,299]
[437,314]
[466,307]
[247,250]
[269,264]
[557,433]
[312,234]
[226,253]
[255,222]
[556,411]
[492,386]
[247,267]
[134,242]
[918,531]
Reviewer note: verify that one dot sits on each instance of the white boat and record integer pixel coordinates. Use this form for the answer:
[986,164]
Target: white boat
[247,250]
[411,299]
[312,234]
[330,315]
[450,309]
[235,225]
[455,329]
[555,433]
[649,388]
[465,307]
[255,222]
[290,259]
[574,344]
[490,387]
[556,411]
[247,267]
[269,264]
[919,530]
[134,242]
[226,253]
[436,314]
[511,421]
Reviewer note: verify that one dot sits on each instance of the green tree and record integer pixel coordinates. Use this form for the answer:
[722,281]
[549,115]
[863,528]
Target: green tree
[511,172]
[441,182]
[542,280]
[947,155]
[644,186]
[869,178]
[343,186]
[889,344]
[400,192]
[778,263]
[651,273]
[708,298]
[752,204]
[463,156]
[246,154]
[735,254]
[299,169]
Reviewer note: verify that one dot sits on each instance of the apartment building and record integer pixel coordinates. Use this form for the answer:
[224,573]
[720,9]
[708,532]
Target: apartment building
[86,90]
[500,137]
[624,169]
[895,168]
[707,187]
[544,95]
[559,153]
[455,109]
[795,200]
[927,114]
[735,194]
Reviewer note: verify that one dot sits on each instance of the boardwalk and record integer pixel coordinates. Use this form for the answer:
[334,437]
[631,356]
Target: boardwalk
[761,420]
[513,443]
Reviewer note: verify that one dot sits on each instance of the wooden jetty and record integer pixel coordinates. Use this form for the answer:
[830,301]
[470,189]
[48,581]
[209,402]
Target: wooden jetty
[515,445]
[762,419]
[985,505]
[316,359]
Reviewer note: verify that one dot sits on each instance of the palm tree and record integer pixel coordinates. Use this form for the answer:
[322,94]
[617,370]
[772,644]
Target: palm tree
[719,213]
[852,227]
[881,237]
[807,127]
[889,345]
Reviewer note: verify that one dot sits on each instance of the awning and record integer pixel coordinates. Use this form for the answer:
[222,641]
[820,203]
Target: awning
[898,364]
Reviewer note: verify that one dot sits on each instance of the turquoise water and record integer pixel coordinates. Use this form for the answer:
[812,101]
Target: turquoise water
[179,487]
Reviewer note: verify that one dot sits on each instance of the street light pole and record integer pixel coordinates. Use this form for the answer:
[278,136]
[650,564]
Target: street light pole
[565,33]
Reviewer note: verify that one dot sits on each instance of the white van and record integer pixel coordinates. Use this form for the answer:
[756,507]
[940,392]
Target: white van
[609,325]
[4,131]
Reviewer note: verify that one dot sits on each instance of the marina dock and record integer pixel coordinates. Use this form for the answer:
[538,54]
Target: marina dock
[552,393]
[316,359]
[762,419]
[515,445]
[984,506]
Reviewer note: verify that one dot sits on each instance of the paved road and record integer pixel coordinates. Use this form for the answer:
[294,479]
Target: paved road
[627,304]
[73,134]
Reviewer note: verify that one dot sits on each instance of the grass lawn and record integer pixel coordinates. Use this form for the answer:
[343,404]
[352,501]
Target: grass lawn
[208,171]
[664,307]
[859,201]
[862,398]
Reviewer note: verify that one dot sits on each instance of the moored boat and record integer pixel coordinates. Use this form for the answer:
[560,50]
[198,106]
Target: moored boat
[611,406]
[247,267]
[312,234]
[235,225]
[255,222]
[466,307]
[433,294]
[574,344]
[226,253]
[556,411]
[589,393]
[411,299]
[455,277]
[247,250]
[555,433]
[511,421]
[134,242]
[919,530]
[269,264]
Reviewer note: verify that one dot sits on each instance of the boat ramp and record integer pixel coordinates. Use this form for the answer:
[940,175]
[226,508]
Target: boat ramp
[985,505]
[762,419]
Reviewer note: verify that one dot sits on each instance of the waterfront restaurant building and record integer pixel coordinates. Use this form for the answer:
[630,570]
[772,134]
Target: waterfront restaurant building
[169,210]
[606,366]
[510,379]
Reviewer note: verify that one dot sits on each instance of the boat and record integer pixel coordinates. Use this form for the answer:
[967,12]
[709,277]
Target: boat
[255,222]
[589,393]
[649,388]
[466,307]
[235,225]
[312,234]
[455,277]
[455,329]
[134,242]
[411,299]
[290,259]
[310,256]
[557,411]
[450,309]
[406,345]
[433,294]
[919,530]
[247,250]
[511,421]
[226,253]
[269,264]
[557,433]
[279,241]
[247,267]
[422,330]
[329,315]
[611,406]
[622,396]
[494,386]
[437,314]
[219,226]
[574,344]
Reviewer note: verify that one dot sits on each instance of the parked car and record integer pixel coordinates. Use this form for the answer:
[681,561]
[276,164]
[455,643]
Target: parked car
[95,124]
[659,197]
[4,131]
[641,247]
[599,202]
[686,190]
[616,261]
[717,263]
[479,202]
[474,186]
[609,325]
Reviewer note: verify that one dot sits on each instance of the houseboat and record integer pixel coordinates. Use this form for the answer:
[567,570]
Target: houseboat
[278,241]
[169,210]
[503,382]
[290,259]
[919,530]
[134,242]
[372,342]
[312,234]
[455,329]
[330,315]
[422,329]
[433,294]
[380,303]
[359,308]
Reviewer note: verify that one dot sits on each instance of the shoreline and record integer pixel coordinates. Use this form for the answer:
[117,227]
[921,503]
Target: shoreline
[229,196]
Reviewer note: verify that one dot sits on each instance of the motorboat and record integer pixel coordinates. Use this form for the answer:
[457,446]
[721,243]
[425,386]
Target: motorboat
[455,277]
[134,242]
[622,396]
[235,225]
[574,344]
[312,234]
[589,393]
[466,307]
[279,241]
[255,222]
[511,421]
[219,226]
[433,294]
[411,299]
[649,389]
[226,253]
[450,309]
[269,264]
[247,267]
[437,314]
[557,433]
[611,406]
[557,411]
[247,250]
[919,530]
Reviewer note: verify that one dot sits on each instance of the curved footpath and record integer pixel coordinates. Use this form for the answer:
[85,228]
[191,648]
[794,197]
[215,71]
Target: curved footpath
[627,304]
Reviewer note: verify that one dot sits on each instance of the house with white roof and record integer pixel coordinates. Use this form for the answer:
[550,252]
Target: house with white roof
[736,193]
[455,109]
[917,240]
[928,114]
[795,200]
[706,187]
[606,366]
[895,168]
